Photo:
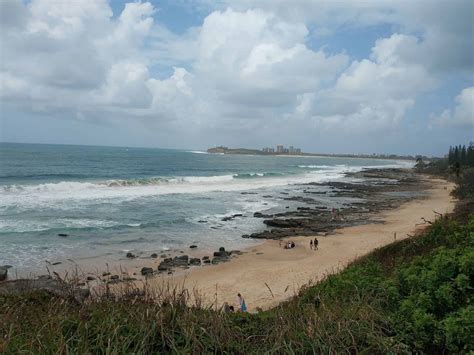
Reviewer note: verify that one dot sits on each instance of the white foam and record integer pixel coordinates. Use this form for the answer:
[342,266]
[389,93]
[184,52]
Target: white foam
[67,195]
[31,225]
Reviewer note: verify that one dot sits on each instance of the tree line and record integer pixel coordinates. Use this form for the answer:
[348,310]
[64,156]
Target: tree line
[461,155]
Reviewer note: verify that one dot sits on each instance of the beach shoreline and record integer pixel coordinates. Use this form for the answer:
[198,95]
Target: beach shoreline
[266,274]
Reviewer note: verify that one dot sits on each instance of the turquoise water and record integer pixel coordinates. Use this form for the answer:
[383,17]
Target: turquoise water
[110,200]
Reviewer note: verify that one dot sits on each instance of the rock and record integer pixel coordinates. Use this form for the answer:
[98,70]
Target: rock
[106,274]
[195,261]
[130,255]
[154,255]
[146,271]
[207,261]
[202,221]
[235,252]
[163,256]
[229,218]
[63,235]
[221,249]
[129,278]
[90,278]
[56,263]
[180,261]
[193,246]
[164,266]
[262,215]
[205,258]
[114,277]
[220,254]
[3,274]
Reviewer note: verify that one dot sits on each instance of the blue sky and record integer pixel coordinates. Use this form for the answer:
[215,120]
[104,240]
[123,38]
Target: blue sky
[329,76]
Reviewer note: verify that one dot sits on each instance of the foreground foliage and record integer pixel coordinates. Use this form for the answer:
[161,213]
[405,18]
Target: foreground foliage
[413,295]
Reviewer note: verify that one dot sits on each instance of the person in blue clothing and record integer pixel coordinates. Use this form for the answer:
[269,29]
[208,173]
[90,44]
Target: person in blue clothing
[241,302]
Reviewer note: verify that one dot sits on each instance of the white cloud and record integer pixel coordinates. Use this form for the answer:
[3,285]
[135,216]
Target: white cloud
[463,113]
[371,94]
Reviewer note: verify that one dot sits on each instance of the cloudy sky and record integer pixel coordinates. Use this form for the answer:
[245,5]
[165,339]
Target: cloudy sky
[329,76]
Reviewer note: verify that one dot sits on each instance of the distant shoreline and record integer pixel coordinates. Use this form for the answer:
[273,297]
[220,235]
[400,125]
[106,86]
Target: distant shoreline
[246,151]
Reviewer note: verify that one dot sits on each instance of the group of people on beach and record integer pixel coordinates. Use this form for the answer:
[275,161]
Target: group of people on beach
[313,245]
[241,305]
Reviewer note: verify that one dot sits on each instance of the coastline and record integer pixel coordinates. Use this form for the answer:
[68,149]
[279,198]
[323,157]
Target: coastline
[267,274]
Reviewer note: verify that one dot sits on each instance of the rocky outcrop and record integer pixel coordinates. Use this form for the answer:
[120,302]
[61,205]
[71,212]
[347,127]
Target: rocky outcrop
[378,189]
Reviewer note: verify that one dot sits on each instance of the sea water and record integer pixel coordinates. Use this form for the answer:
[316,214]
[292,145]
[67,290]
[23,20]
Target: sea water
[111,200]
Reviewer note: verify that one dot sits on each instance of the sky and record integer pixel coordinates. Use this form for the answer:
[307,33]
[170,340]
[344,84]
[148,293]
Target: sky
[329,76]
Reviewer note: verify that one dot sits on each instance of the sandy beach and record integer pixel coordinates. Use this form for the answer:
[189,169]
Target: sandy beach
[270,267]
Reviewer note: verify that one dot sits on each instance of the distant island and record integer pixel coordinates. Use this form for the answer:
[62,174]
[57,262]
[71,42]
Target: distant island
[282,150]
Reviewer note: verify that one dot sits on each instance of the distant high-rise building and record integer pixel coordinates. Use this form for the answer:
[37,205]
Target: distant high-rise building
[280,148]
[291,149]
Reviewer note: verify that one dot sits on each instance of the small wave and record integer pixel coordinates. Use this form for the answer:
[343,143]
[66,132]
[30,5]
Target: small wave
[256,175]
[321,166]
[197,152]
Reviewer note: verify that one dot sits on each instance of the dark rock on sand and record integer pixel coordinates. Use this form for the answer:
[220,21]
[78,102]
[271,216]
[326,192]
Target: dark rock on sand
[130,255]
[205,258]
[90,278]
[106,274]
[63,235]
[154,255]
[164,266]
[195,261]
[3,274]
[146,271]
[114,277]
[193,246]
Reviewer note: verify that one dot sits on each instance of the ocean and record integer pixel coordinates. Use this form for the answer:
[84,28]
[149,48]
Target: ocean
[111,200]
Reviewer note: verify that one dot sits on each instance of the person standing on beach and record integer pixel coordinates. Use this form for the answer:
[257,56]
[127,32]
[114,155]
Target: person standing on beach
[316,242]
[311,244]
[241,302]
